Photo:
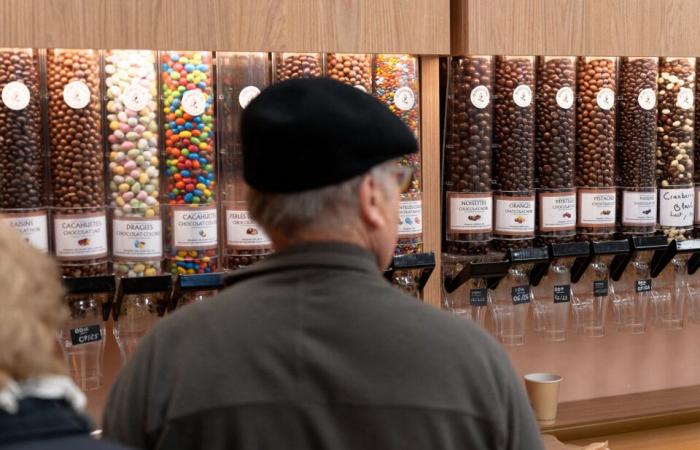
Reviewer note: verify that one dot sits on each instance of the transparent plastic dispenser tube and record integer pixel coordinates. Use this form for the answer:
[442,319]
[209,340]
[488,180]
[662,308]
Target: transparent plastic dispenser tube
[509,305]
[632,293]
[470,300]
[589,303]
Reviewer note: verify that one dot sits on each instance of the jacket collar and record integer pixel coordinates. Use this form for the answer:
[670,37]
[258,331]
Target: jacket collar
[39,419]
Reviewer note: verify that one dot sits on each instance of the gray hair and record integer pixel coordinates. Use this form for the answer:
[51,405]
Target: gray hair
[330,208]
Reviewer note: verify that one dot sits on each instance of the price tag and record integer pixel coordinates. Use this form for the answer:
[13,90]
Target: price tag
[600,288]
[85,335]
[478,297]
[520,294]
[562,293]
[642,286]
[15,95]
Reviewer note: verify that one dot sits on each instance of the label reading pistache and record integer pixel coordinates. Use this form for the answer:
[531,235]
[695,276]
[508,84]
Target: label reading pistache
[470,213]
[520,294]
[562,293]
[638,208]
[557,211]
[33,227]
[194,228]
[243,232]
[600,288]
[642,286]
[410,218]
[515,216]
[596,207]
[676,207]
[135,239]
[686,98]
[80,236]
[85,335]
[478,297]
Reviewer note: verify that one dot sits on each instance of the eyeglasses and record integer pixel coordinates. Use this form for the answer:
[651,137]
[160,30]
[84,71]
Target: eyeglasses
[403,175]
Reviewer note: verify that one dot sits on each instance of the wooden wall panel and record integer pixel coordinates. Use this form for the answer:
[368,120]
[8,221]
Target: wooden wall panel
[576,27]
[372,26]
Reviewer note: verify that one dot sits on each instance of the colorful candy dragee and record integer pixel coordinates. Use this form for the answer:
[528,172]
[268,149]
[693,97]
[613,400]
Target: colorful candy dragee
[396,84]
[132,118]
[190,152]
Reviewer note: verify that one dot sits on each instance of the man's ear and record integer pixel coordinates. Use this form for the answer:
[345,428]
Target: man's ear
[371,203]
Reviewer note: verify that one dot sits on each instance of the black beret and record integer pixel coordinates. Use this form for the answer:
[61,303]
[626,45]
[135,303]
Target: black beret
[309,133]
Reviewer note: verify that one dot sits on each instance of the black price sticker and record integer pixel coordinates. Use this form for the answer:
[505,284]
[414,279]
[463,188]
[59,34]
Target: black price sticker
[562,293]
[600,288]
[520,294]
[477,297]
[642,286]
[85,335]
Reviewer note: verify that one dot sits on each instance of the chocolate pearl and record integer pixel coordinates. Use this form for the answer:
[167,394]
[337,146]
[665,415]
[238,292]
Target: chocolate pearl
[298,65]
[637,156]
[354,69]
[22,156]
[237,261]
[556,132]
[595,155]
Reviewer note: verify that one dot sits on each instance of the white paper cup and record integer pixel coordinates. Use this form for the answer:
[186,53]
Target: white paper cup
[543,390]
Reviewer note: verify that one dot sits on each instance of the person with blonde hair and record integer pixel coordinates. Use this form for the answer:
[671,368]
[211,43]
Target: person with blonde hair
[40,407]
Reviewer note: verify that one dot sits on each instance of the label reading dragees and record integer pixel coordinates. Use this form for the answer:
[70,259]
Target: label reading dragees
[557,211]
[15,95]
[85,335]
[596,207]
[136,97]
[478,297]
[33,227]
[686,98]
[600,288]
[194,228]
[605,99]
[480,97]
[562,293]
[243,232]
[76,94]
[137,239]
[676,207]
[647,99]
[520,294]
[410,218]
[470,213]
[638,208]
[565,97]
[80,236]
[194,103]
[515,216]
[404,98]
[522,95]
[247,95]
[642,286]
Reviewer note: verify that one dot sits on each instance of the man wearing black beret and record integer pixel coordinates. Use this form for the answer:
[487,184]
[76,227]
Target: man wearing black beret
[312,348]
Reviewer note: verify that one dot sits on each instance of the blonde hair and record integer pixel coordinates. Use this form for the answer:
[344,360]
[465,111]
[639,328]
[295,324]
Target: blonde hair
[31,310]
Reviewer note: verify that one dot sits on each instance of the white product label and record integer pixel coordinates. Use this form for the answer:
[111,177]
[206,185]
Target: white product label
[638,208]
[697,206]
[410,218]
[194,228]
[596,207]
[515,216]
[605,98]
[470,213]
[136,97]
[243,232]
[404,98]
[194,103]
[686,98]
[565,97]
[522,95]
[76,94]
[647,99]
[676,207]
[80,236]
[557,211]
[15,95]
[247,95]
[480,97]
[136,240]
[33,227]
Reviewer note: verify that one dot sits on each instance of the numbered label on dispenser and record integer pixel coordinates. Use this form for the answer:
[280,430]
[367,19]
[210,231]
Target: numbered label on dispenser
[76,94]
[520,294]
[478,297]
[565,97]
[642,286]
[522,95]
[686,98]
[605,99]
[194,103]
[676,207]
[600,288]
[562,293]
[404,98]
[247,95]
[15,95]
[85,335]
[480,97]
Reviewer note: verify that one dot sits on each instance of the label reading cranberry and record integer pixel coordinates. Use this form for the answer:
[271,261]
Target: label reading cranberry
[15,95]
[565,97]
[480,97]
[605,98]
[557,211]
[194,228]
[194,103]
[134,239]
[470,213]
[32,226]
[686,98]
[596,207]
[410,218]
[522,95]
[638,208]
[247,95]
[80,236]
[76,94]
[242,232]
[136,97]
[647,99]
[676,207]
[515,216]
[404,98]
